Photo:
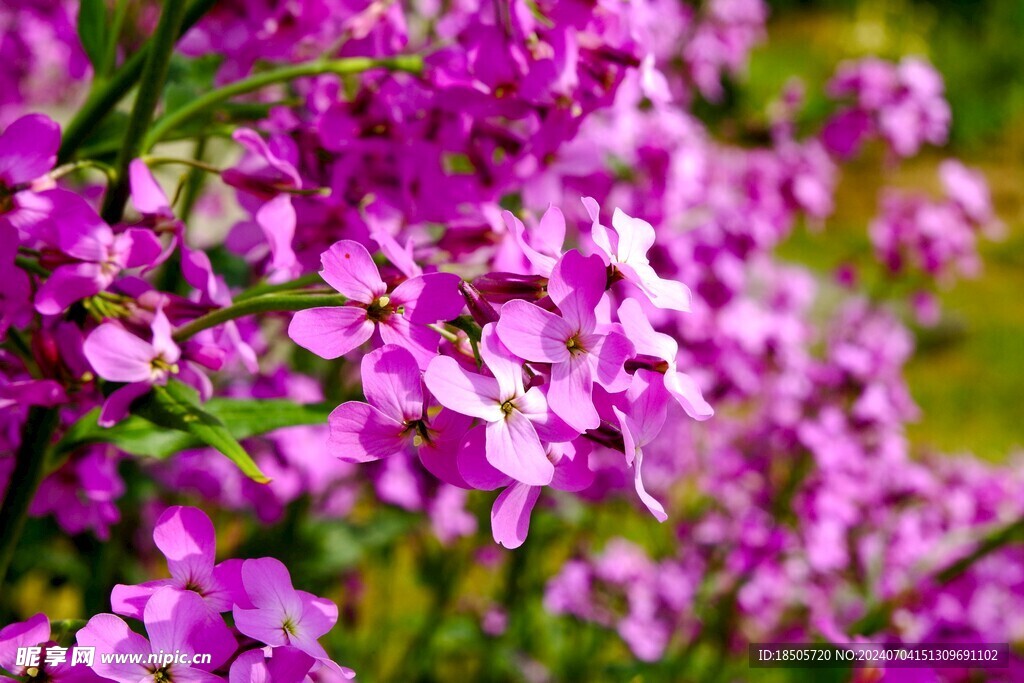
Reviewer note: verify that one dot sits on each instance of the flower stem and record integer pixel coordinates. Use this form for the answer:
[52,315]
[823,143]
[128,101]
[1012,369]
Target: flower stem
[153,75]
[267,303]
[103,99]
[176,118]
[264,288]
[29,465]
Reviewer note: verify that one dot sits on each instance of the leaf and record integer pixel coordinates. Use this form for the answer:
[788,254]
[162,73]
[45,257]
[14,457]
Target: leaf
[92,29]
[176,406]
[242,419]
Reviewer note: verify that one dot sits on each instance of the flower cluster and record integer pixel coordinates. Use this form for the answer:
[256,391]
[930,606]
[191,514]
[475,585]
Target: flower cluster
[557,365]
[936,237]
[274,635]
[901,103]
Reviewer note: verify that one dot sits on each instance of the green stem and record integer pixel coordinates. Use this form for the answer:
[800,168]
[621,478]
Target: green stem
[102,100]
[110,54]
[176,118]
[264,288]
[268,303]
[30,266]
[29,465]
[153,75]
[152,161]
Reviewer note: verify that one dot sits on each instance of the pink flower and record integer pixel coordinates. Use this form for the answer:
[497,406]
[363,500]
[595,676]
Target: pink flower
[185,536]
[279,615]
[400,316]
[283,665]
[395,417]
[175,621]
[510,514]
[578,349]
[97,254]
[512,413]
[625,251]
[647,403]
[35,632]
[684,389]
[117,355]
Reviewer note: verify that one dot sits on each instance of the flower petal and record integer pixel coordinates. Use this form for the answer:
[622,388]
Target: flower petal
[514,449]
[534,334]
[571,393]
[392,384]
[111,635]
[118,355]
[473,465]
[430,298]
[510,515]
[463,391]
[348,267]
[28,149]
[186,537]
[331,332]
[687,393]
[361,433]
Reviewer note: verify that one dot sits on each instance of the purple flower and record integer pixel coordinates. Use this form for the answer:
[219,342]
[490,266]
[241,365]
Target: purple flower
[400,316]
[511,412]
[647,403]
[264,177]
[185,536]
[176,621]
[97,255]
[510,514]
[271,665]
[28,149]
[279,615]
[117,355]
[578,349]
[395,416]
[35,632]
[625,250]
[82,494]
[684,389]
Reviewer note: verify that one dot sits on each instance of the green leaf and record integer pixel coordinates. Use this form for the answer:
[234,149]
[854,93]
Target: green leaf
[176,406]
[243,418]
[92,29]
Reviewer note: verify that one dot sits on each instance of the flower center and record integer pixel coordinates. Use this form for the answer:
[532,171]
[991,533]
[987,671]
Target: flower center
[162,367]
[574,345]
[380,309]
[507,407]
[289,626]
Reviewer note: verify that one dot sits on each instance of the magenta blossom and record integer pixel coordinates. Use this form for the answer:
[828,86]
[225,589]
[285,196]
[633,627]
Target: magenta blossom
[401,316]
[175,621]
[279,615]
[279,665]
[395,417]
[625,250]
[117,355]
[95,253]
[513,414]
[35,632]
[510,514]
[28,149]
[579,349]
[647,402]
[185,536]
[684,389]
